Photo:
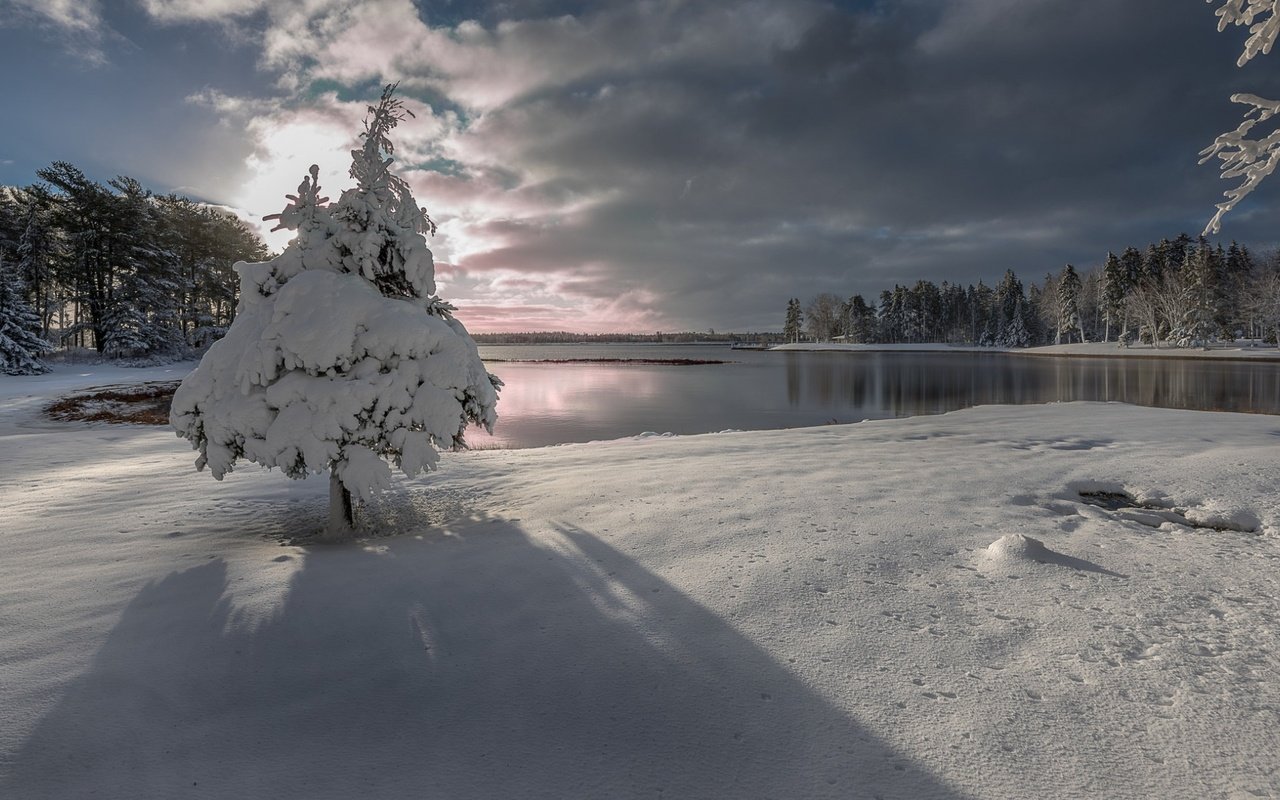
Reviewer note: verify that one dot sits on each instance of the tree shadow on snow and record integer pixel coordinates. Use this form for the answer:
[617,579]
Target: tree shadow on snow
[485,664]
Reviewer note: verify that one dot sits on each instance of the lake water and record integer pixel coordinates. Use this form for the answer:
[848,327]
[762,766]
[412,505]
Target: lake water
[554,403]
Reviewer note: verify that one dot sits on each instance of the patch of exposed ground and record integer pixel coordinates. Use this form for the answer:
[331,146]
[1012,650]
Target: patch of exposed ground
[143,404]
[1155,513]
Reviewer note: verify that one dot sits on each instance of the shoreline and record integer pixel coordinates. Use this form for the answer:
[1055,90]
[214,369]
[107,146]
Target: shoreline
[1087,350]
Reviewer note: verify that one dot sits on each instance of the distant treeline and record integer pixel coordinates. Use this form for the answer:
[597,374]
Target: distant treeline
[117,268]
[567,337]
[1183,291]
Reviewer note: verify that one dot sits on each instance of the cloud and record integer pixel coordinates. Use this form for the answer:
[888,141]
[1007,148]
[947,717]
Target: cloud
[80,16]
[672,164]
[78,23]
[177,11]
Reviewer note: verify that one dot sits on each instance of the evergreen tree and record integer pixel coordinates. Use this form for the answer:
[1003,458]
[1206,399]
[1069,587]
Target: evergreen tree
[888,316]
[862,320]
[1179,250]
[141,318]
[1115,288]
[341,355]
[1009,301]
[83,211]
[1069,304]
[204,243]
[982,307]
[1033,315]
[927,307]
[38,252]
[1236,273]
[1016,333]
[1153,265]
[1199,301]
[794,322]
[20,344]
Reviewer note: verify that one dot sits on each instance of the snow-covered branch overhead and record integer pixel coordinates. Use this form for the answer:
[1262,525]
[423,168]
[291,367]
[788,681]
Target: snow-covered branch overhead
[1242,157]
[1262,34]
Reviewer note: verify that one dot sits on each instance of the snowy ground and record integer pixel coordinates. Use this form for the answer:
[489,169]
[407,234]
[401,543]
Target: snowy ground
[791,614]
[1096,349]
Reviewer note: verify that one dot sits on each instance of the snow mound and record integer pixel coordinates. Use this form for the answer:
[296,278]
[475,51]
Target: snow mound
[1015,551]
[1016,547]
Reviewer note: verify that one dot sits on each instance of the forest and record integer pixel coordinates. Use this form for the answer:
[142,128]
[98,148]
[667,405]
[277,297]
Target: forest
[114,268]
[123,272]
[1180,292]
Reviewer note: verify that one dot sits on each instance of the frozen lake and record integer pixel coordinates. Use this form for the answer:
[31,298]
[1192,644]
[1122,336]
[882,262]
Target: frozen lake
[554,403]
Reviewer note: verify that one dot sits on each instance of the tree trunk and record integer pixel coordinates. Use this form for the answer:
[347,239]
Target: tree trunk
[341,514]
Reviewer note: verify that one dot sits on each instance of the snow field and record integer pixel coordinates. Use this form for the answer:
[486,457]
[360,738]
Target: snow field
[844,611]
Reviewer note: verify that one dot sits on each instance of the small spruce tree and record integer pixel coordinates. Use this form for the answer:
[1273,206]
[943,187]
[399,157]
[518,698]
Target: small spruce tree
[341,356]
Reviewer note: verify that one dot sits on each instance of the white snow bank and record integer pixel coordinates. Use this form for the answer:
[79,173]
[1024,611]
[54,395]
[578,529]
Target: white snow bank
[807,613]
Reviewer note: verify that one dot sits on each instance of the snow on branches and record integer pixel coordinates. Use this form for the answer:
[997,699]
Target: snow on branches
[1242,157]
[20,344]
[1262,34]
[341,358]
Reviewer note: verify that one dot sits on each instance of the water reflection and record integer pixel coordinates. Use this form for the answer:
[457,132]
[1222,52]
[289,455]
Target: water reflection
[555,403]
[907,385]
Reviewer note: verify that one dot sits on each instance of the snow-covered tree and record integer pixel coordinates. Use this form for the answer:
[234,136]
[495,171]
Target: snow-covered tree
[341,356]
[20,344]
[37,255]
[1010,327]
[1199,300]
[141,318]
[1252,159]
[1068,304]
[1115,287]
[1015,332]
[1263,300]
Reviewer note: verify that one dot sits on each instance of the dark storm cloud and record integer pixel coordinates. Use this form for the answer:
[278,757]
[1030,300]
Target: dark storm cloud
[946,141]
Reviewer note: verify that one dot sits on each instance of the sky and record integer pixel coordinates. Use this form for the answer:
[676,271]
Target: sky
[653,165]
